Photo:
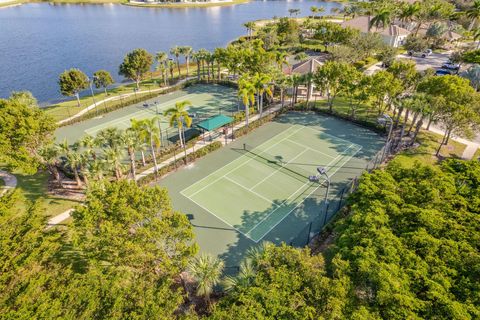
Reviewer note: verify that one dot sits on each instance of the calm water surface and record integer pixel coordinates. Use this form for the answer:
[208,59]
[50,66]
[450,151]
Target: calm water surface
[39,41]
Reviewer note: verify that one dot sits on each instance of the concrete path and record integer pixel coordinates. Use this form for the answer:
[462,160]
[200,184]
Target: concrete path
[10,182]
[121,96]
[65,215]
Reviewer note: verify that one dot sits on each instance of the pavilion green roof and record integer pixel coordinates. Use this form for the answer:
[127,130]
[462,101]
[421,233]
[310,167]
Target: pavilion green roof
[215,122]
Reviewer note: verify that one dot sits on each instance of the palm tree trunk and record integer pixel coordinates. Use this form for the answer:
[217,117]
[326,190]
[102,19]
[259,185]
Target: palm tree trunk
[247,111]
[77,177]
[152,150]
[180,135]
[417,130]
[131,153]
[414,120]
[178,67]
[187,59]
[198,70]
[143,159]
[441,144]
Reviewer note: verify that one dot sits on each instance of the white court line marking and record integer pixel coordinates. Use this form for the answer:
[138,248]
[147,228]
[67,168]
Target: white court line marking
[282,204]
[241,165]
[311,149]
[243,187]
[114,122]
[271,174]
[276,224]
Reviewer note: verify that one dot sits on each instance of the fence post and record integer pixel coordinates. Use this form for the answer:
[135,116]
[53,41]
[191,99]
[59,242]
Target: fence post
[341,199]
[308,234]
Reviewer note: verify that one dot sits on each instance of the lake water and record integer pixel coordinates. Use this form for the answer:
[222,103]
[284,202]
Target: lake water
[38,41]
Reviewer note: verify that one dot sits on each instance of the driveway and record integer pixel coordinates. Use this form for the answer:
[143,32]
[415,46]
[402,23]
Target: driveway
[435,61]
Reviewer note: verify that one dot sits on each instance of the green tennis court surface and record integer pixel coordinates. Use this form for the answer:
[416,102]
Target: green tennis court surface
[256,191]
[207,101]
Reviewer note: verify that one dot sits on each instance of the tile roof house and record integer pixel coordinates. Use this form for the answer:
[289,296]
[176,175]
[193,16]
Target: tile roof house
[392,35]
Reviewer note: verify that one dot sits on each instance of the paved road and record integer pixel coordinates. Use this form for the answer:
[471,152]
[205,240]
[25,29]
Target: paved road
[435,61]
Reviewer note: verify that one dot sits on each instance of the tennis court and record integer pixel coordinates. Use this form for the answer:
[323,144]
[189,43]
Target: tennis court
[256,191]
[207,100]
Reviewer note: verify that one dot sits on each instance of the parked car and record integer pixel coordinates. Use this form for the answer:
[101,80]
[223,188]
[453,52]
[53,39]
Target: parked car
[423,54]
[443,72]
[451,66]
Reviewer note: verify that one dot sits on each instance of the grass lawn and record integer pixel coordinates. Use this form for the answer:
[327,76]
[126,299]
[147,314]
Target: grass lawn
[425,153]
[341,106]
[69,108]
[34,187]
[476,155]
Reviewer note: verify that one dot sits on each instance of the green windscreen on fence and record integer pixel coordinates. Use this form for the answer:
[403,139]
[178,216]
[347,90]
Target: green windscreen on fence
[215,122]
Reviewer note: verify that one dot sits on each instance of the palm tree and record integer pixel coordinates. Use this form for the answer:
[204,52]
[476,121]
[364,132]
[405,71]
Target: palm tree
[243,279]
[152,131]
[206,270]
[177,51]
[250,27]
[262,83]
[113,161]
[88,143]
[96,170]
[186,51]
[138,128]
[131,139]
[246,91]
[203,54]
[109,137]
[197,57]
[381,19]
[49,155]
[162,58]
[316,10]
[178,116]
[473,13]
[171,66]
[72,158]
[473,74]
[408,12]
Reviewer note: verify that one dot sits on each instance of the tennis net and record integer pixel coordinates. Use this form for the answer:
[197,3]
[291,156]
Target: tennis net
[279,162]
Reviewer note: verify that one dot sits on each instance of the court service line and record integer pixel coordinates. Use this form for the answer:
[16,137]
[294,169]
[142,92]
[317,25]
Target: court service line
[243,187]
[283,218]
[282,204]
[221,219]
[271,174]
[311,149]
[241,165]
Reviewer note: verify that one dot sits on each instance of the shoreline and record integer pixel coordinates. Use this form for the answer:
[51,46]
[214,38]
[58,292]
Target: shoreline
[179,5]
[174,5]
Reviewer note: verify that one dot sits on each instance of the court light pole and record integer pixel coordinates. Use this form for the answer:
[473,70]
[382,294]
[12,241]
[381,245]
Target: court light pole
[322,171]
[382,120]
[90,82]
[158,120]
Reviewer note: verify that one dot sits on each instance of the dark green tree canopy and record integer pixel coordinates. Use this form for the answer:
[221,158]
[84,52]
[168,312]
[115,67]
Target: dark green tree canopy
[24,130]
[136,64]
[72,81]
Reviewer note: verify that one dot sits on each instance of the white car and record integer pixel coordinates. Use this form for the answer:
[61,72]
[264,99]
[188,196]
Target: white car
[423,54]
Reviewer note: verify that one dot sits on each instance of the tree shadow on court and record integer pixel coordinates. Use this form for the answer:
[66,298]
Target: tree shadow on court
[370,141]
[295,229]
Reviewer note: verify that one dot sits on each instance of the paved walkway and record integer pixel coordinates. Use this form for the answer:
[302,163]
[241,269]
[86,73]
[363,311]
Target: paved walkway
[121,96]
[10,182]
[65,215]
[469,151]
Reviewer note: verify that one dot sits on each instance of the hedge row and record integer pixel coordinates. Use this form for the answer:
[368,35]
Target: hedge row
[255,124]
[180,161]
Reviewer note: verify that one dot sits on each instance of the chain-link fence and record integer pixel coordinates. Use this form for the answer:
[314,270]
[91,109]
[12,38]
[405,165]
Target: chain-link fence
[334,204]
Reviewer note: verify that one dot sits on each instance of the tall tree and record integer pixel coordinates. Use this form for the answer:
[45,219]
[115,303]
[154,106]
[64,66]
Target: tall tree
[72,82]
[25,129]
[178,115]
[161,58]
[135,65]
[102,79]
[176,52]
[186,51]
[473,13]
[246,92]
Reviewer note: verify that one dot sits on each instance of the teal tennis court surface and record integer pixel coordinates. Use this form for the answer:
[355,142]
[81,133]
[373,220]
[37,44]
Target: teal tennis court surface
[256,191]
